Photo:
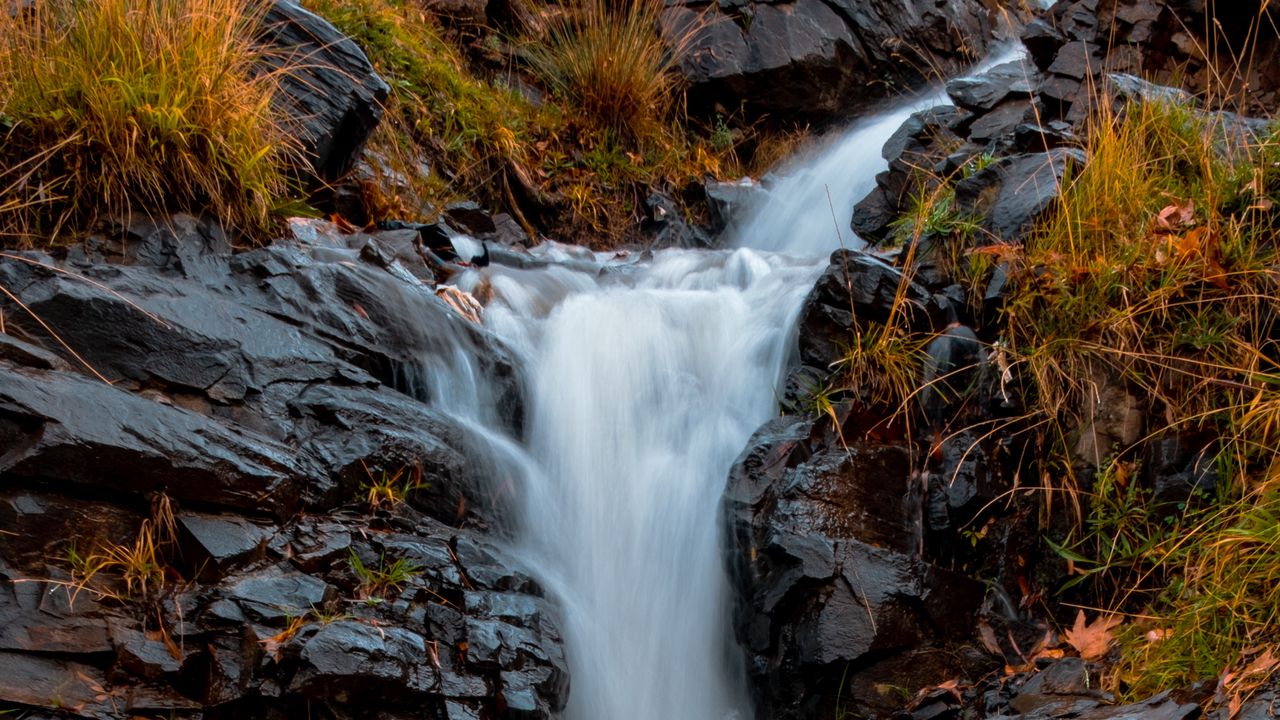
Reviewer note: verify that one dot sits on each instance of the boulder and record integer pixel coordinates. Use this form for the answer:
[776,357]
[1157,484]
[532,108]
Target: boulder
[824,546]
[71,429]
[815,59]
[331,90]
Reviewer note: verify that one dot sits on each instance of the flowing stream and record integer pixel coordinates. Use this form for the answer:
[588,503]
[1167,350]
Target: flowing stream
[646,377]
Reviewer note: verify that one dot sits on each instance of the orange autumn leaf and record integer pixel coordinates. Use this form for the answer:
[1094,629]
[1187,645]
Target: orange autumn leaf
[1092,640]
[1176,215]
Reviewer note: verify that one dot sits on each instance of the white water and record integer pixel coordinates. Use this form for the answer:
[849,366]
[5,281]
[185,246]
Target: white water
[806,211]
[646,379]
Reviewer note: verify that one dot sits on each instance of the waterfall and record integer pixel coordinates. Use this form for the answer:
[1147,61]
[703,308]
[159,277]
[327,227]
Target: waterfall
[646,381]
[647,375]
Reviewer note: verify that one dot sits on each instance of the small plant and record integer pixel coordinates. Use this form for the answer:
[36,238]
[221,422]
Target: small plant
[722,138]
[122,106]
[141,565]
[388,491]
[935,216]
[377,582]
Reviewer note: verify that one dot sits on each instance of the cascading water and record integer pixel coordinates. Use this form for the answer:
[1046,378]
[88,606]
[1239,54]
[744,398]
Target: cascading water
[646,378]
[806,212]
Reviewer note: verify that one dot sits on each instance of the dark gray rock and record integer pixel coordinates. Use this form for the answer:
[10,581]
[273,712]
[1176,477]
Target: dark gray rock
[1013,194]
[280,593]
[347,657]
[145,657]
[812,59]
[871,285]
[74,429]
[950,368]
[215,544]
[984,92]
[823,545]
[59,686]
[332,90]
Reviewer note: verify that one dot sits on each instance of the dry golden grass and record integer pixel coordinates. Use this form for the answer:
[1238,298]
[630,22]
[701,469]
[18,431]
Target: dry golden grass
[609,61]
[115,106]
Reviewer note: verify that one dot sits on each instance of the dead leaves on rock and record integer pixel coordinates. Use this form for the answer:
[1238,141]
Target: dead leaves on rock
[1235,687]
[1092,640]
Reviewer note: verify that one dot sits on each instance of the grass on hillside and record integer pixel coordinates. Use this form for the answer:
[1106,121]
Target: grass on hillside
[1157,274]
[579,158]
[116,106]
[607,60]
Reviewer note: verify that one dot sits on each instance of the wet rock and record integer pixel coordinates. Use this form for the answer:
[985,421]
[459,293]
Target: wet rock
[82,633]
[810,59]
[217,543]
[963,481]
[984,92]
[1160,707]
[666,226]
[333,92]
[145,657]
[727,198]
[280,593]
[857,284]
[70,428]
[56,685]
[1113,418]
[356,432]
[950,368]
[348,657]
[1013,194]
[824,546]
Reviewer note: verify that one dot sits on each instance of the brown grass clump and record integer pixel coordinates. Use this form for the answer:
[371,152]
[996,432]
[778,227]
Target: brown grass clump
[609,60]
[114,106]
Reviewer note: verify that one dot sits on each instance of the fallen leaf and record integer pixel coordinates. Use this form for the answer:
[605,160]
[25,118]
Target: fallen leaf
[1234,705]
[1174,216]
[988,638]
[1092,640]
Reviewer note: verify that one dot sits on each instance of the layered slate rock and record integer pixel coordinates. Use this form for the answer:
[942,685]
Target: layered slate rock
[826,546]
[331,90]
[237,403]
[814,59]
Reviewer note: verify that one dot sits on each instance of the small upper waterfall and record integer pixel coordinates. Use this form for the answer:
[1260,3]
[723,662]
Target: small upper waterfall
[805,212]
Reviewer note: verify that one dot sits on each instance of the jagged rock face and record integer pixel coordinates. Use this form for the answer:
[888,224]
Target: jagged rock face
[257,391]
[826,543]
[1194,43]
[839,531]
[816,59]
[331,90]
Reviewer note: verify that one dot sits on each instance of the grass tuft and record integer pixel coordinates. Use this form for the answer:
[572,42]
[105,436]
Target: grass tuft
[118,106]
[376,582]
[609,60]
[389,490]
